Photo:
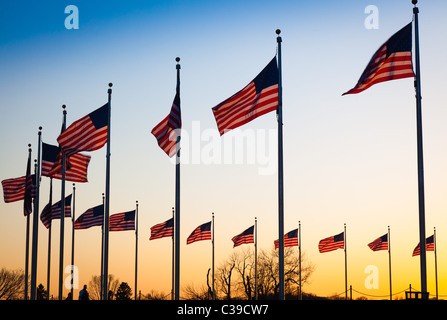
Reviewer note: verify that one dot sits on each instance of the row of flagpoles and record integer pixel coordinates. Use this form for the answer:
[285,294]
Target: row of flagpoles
[393,60]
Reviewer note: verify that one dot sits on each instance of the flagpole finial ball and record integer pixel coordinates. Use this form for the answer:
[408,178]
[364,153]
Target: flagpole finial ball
[278,31]
[177,59]
[40,128]
[110,84]
[64,106]
[414,2]
[29,145]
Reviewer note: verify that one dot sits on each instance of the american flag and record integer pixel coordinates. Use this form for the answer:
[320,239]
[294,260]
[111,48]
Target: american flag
[76,165]
[202,232]
[391,61]
[86,134]
[429,246]
[122,221]
[28,193]
[162,230]
[90,218]
[290,239]
[167,131]
[51,212]
[244,237]
[380,243]
[14,188]
[332,243]
[259,97]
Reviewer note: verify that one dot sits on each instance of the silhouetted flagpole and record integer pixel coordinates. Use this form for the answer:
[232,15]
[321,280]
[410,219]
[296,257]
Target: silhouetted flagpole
[177,201]
[107,198]
[62,223]
[423,256]
[136,249]
[346,265]
[49,242]
[280,175]
[27,235]
[212,244]
[173,259]
[256,258]
[35,222]
[73,239]
[102,252]
[389,259]
[436,262]
[299,257]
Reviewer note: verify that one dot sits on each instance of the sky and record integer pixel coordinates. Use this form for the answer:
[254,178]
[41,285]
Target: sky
[350,159]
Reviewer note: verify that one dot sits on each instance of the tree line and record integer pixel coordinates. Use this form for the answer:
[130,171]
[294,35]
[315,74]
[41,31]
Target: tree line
[234,279]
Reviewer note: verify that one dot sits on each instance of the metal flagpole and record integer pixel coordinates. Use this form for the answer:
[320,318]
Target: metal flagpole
[346,266]
[256,258]
[436,262]
[423,258]
[389,258]
[177,201]
[35,222]
[73,240]
[107,199]
[62,223]
[173,259]
[27,235]
[280,175]
[49,243]
[136,248]
[299,257]
[102,253]
[212,243]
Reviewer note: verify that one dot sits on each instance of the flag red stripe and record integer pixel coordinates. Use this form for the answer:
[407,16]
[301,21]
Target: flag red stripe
[117,223]
[13,189]
[328,244]
[292,242]
[88,220]
[199,236]
[378,245]
[245,106]
[161,231]
[242,239]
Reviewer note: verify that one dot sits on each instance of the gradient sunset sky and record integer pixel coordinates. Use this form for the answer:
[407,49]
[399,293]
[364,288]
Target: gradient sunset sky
[350,159]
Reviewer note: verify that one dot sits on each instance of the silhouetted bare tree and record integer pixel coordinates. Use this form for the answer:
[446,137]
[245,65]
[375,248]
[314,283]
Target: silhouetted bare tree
[94,286]
[223,277]
[240,284]
[12,284]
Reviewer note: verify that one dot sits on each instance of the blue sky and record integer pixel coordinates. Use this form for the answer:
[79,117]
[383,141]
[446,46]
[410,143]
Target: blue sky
[347,159]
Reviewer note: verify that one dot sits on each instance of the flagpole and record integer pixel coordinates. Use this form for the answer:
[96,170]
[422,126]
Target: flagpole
[389,258]
[73,240]
[107,198]
[62,223]
[35,222]
[136,248]
[280,175]
[173,259]
[436,262]
[299,256]
[423,258]
[177,200]
[102,253]
[49,242]
[27,234]
[346,265]
[256,258]
[212,243]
